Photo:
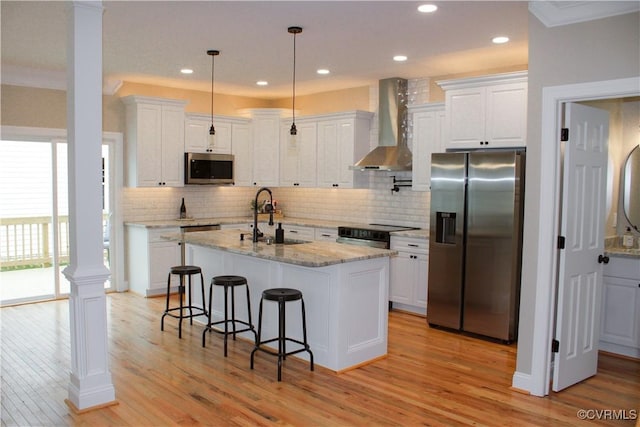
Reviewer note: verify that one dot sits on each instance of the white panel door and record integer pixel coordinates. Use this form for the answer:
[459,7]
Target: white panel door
[580,266]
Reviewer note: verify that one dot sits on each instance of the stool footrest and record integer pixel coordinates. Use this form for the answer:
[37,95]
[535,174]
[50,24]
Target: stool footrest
[202,312]
[210,327]
[274,351]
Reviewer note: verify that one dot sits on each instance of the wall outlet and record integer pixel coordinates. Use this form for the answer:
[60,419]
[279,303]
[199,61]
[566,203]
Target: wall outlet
[615,219]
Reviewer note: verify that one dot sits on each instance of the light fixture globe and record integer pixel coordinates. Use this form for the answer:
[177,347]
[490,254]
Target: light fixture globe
[294,131]
[212,129]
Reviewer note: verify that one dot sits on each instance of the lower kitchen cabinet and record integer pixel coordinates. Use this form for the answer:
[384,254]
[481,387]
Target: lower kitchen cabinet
[409,274]
[297,232]
[149,258]
[620,316]
[326,234]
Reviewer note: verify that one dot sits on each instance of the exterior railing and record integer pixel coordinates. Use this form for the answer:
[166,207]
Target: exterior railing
[28,241]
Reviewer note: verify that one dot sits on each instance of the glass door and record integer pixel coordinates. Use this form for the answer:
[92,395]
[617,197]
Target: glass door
[34,219]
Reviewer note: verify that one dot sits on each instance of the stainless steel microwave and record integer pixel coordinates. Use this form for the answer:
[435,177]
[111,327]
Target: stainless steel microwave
[208,168]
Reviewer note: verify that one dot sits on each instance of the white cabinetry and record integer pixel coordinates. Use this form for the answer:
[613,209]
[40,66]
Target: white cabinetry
[409,274]
[486,112]
[428,137]
[298,162]
[155,141]
[242,154]
[343,139]
[266,147]
[297,232]
[326,234]
[620,317]
[149,259]
[196,134]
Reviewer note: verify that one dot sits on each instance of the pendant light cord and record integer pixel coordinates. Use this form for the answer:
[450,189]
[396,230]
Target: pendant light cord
[294,31]
[213,53]
[294,79]
[212,67]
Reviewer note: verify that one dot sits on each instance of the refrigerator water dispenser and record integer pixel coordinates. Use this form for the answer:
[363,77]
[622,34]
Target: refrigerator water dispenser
[446,227]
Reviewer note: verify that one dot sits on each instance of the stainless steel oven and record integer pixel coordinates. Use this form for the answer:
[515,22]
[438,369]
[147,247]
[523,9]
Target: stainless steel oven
[374,235]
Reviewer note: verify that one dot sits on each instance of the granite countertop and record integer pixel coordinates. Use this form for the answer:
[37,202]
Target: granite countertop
[166,223]
[309,254]
[420,233]
[613,247]
[304,222]
[622,252]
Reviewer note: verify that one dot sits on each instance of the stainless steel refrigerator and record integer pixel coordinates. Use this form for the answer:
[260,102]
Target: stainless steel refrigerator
[475,242]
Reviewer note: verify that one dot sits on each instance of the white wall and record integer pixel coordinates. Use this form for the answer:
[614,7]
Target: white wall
[585,52]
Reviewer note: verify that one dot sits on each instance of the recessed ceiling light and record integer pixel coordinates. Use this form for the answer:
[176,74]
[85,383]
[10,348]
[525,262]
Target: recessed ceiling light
[322,71]
[186,71]
[399,58]
[427,8]
[262,83]
[500,39]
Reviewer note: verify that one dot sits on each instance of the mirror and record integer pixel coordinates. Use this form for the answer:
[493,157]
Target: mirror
[631,188]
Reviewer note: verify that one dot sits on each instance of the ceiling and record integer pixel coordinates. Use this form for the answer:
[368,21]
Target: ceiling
[149,42]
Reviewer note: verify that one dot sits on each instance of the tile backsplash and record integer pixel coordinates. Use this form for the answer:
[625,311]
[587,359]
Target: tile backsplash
[378,204]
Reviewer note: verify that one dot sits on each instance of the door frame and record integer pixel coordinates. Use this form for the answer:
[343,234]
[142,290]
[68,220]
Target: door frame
[553,97]
[115,142]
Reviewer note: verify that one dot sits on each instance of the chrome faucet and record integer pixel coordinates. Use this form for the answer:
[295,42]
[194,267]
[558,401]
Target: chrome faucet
[257,233]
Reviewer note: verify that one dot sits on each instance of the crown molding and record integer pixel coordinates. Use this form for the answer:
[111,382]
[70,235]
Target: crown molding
[557,13]
[47,79]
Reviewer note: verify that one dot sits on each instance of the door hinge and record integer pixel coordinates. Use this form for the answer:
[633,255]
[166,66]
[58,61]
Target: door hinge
[561,241]
[555,346]
[564,134]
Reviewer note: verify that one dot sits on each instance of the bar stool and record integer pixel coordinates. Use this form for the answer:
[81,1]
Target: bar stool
[182,271]
[229,282]
[282,296]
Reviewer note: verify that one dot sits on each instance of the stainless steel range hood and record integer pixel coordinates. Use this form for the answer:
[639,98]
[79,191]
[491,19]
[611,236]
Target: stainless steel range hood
[392,153]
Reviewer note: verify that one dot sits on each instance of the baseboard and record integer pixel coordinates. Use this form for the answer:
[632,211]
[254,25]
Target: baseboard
[521,382]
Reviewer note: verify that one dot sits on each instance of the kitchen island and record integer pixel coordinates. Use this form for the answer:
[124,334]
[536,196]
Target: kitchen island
[345,289]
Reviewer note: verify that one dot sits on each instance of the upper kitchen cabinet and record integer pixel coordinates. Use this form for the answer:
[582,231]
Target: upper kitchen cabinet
[486,112]
[298,162]
[343,139]
[196,134]
[265,130]
[429,128]
[155,141]
[242,154]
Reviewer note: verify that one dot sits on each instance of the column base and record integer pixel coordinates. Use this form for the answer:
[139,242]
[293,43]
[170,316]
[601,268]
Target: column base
[77,411]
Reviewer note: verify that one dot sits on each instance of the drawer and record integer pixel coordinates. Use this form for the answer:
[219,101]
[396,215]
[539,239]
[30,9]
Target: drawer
[298,233]
[327,234]
[155,233]
[408,244]
[628,268]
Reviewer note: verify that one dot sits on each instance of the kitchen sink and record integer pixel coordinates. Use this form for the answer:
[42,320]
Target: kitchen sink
[287,242]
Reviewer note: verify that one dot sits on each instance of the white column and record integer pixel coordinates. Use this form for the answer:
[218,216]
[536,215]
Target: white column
[90,379]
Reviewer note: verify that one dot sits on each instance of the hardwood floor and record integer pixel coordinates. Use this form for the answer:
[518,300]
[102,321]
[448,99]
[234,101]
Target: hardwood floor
[430,377]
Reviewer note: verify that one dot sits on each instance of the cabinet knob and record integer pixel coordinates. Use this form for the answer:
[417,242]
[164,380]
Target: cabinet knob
[603,259]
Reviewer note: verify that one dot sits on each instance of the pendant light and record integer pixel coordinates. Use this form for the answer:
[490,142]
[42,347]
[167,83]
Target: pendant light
[212,129]
[294,131]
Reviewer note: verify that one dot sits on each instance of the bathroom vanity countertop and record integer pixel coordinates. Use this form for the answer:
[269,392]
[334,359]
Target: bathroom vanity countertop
[622,252]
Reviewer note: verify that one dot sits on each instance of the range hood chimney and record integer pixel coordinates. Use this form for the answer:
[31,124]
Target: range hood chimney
[392,153]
